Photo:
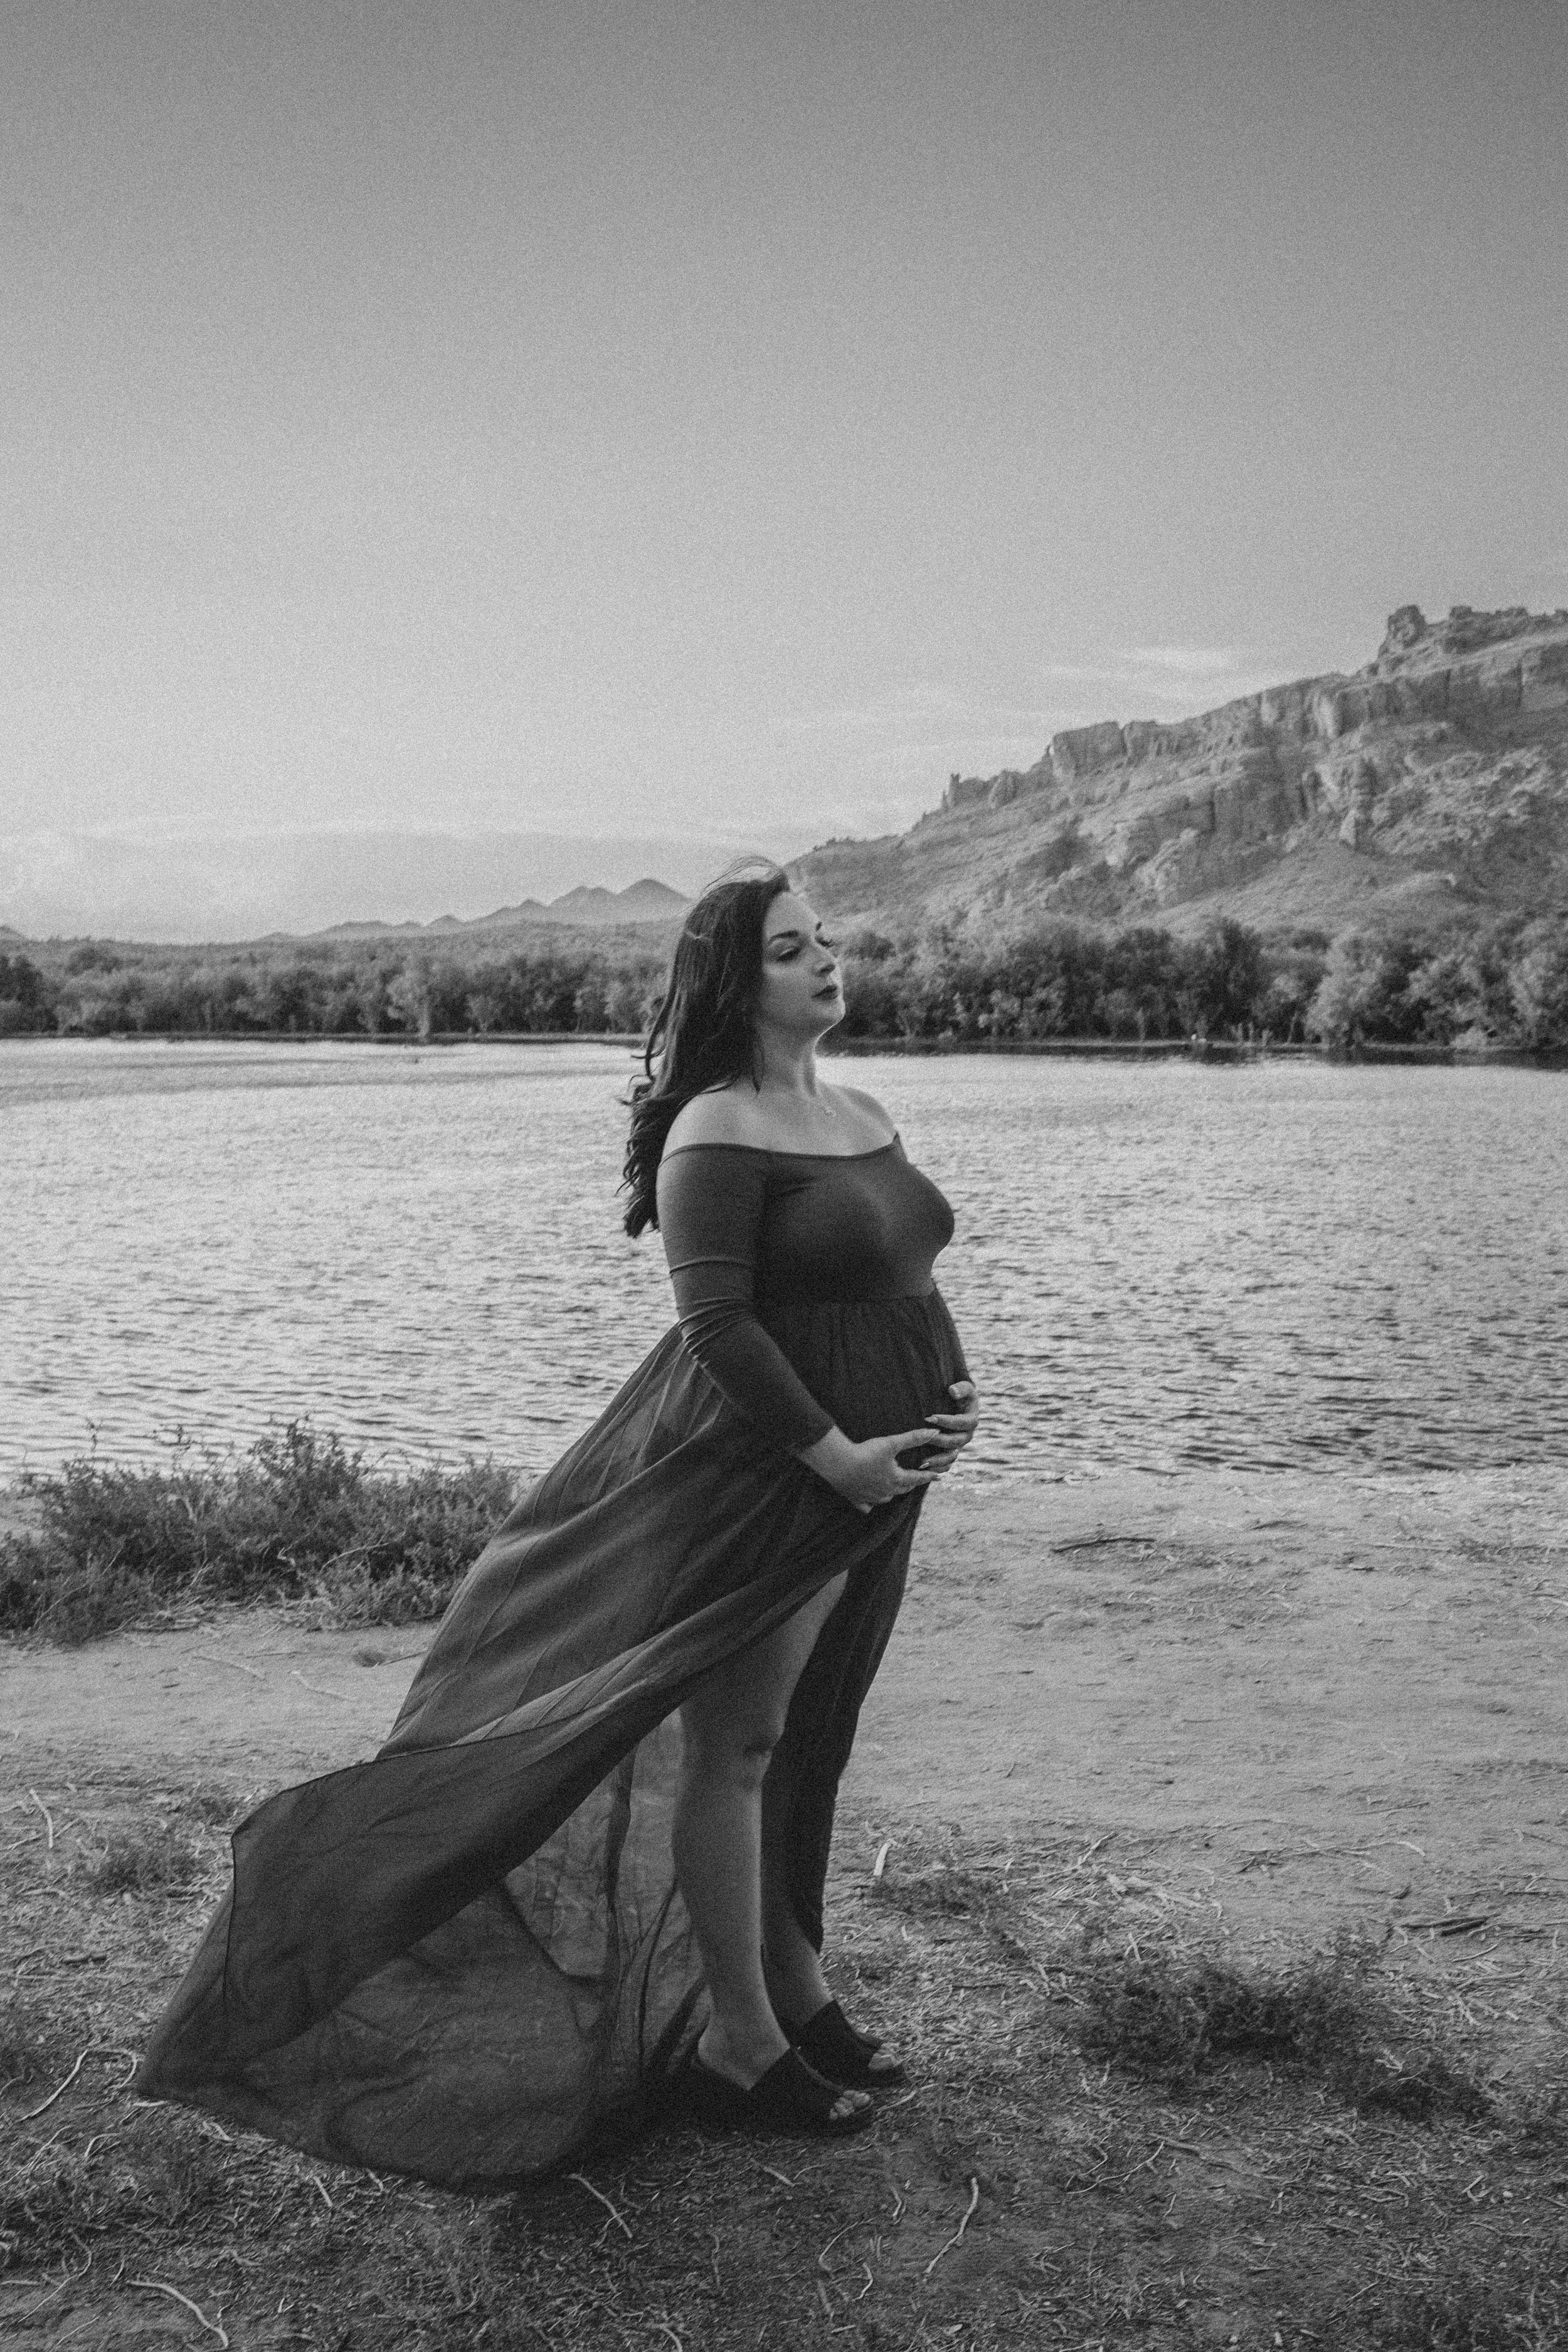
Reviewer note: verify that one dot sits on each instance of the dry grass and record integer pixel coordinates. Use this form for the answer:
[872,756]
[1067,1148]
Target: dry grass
[143,1862]
[1159,2141]
[301,1516]
[1174,2016]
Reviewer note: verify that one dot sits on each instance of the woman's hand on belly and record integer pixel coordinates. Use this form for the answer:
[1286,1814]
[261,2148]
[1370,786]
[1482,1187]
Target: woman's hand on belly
[870,1473]
[954,1430]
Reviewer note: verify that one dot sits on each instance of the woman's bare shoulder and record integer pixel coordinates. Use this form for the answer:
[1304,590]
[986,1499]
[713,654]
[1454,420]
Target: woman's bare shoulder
[866,1109]
[725,1115]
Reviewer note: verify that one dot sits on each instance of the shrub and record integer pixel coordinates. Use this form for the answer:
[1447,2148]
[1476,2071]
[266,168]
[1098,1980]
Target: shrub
[299,1514]
[1173,2017]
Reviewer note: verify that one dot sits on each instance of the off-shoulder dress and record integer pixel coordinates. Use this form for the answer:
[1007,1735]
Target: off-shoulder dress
[468,1959]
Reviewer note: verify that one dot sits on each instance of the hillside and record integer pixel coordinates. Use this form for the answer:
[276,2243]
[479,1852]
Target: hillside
[1433,781]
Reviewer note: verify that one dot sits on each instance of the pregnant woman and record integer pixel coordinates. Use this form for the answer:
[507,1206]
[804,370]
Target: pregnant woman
[589,1863]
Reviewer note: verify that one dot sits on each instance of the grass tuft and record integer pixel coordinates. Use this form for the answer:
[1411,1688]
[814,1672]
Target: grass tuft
[213,1803]
[1174,2016]
[143,1862]
[301,1516]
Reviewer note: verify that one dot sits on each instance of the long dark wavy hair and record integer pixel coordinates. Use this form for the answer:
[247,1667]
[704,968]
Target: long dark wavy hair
[701,1035]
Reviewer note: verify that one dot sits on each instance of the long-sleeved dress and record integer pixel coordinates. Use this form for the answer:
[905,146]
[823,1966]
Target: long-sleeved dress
[467,1956]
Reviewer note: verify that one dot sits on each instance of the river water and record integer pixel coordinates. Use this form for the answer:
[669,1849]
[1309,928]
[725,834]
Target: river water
[1157,1264]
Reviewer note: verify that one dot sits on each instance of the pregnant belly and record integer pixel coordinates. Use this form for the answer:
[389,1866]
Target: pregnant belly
[875,1365]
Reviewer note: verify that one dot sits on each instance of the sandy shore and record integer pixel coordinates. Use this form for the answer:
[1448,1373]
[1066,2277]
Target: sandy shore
[1203,1712]
[1315,1699]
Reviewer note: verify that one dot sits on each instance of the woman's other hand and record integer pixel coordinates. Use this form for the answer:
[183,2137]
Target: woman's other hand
[870,1473]
[956,1429]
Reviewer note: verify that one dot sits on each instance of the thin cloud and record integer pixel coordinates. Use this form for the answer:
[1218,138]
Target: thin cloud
[919,720]
[921,714]
[1159,681]
[892,753]
[1188,661]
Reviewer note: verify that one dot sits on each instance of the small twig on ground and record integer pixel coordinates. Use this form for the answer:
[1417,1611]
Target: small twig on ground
[969,2216]
[157,2286]
[583,2182]
[71,2278]
[320,1689]
[48,1818]
[211,1659]
[315,2182]
[880,1865]
[93,2050]
[33,2113]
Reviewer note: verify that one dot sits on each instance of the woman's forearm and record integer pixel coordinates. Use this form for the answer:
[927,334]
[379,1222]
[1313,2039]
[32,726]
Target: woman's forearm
[829,1455]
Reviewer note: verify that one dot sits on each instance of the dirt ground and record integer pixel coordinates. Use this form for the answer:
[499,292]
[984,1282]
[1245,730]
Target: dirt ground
[1315,1699]
[1274,1707]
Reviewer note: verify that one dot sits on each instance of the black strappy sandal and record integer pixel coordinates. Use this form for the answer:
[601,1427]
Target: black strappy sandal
[841,2052]
[792,2096]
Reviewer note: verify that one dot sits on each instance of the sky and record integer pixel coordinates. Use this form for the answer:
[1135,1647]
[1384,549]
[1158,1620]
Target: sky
[659,428]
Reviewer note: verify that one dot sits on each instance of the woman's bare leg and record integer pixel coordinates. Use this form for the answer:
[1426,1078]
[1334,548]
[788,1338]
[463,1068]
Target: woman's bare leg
[731,1726]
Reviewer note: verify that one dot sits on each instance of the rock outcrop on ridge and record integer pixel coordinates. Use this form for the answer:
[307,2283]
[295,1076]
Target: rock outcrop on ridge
[1434,779]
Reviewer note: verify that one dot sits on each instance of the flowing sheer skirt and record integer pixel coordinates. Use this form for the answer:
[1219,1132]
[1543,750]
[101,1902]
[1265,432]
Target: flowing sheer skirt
[468,1959]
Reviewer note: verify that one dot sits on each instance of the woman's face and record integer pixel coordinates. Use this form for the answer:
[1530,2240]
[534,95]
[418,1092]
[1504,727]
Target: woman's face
[799,994]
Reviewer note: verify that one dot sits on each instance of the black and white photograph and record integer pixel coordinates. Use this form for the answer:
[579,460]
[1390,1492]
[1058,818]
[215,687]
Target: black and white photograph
[784,1175]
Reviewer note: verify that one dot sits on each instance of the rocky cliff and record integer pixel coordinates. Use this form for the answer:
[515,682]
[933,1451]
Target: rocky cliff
[1435,777]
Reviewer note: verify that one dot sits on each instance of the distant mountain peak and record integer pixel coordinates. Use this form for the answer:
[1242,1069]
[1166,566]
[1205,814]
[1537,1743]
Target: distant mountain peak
[655,897]
[591,905]
[587,906]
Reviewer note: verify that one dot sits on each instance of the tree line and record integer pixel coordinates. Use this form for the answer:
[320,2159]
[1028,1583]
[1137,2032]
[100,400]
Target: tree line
[324,989]
[1504,983]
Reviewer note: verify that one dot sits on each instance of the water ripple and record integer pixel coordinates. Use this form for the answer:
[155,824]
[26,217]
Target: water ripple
[1283,1264]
